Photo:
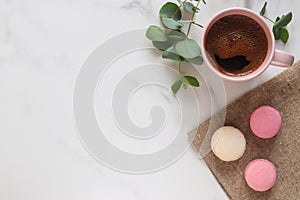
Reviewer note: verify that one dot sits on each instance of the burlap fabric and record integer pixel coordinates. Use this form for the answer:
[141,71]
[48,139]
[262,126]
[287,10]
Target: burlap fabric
[282,93]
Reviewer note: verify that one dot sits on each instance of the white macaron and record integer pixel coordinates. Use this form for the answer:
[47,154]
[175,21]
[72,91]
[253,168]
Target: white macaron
[228,143]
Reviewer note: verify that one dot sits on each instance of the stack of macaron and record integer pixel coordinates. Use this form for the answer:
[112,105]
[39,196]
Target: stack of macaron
[229,144]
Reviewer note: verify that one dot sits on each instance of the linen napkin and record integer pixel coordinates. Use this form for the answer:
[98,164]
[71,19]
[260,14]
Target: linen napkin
[283,93]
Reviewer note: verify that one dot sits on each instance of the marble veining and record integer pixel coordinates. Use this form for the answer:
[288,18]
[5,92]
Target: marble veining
[145,7]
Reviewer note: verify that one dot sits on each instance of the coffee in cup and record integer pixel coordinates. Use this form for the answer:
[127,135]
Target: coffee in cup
[237,45]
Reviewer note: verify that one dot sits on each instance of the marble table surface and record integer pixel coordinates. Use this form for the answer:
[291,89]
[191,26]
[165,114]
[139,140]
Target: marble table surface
[43,44]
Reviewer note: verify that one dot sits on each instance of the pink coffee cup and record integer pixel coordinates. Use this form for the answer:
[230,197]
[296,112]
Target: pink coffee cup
[273,56]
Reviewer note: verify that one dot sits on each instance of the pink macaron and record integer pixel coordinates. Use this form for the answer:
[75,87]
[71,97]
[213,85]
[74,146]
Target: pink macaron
[265,122]
[260,175]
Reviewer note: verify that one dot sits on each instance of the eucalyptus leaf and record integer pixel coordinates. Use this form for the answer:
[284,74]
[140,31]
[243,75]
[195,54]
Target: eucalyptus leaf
[276,33]
[170,10]
[171,23]
[172,55]
[188,48]
[197,61]
[263,10]
[155,33]
[188,6]
[284,35]
[171,50]
[279,30]
[175,36]
[162,45]
[190,80]
[176,86]
[283,21]
[175,32]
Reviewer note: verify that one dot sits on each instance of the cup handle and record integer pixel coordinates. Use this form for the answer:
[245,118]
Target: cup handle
[282,59]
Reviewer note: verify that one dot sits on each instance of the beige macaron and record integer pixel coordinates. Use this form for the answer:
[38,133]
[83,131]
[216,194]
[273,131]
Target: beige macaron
[228,143]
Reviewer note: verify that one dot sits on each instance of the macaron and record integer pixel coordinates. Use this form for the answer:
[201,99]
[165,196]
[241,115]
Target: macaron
[260,175]
[228,143]
[265,122]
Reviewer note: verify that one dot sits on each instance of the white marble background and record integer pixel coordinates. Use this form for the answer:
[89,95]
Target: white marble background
[42,46]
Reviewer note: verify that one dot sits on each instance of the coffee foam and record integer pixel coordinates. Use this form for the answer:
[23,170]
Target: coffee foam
[237,35]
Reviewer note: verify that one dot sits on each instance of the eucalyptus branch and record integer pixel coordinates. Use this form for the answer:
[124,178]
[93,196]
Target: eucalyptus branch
[193,16]
[175,44]
[179,67]
[279,25]
[267,18]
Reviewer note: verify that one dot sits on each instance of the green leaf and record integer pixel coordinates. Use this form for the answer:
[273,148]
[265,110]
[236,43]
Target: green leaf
[172,55]
[170,10]
[284,35]
[155,33]
[190,80]
[283,21]
[171,23]
[188,48]
[197,61]
[276,33]
[263,10]
[277,19]
[188,6]
[175,36]
[175,32]
[162,45]
[176,86]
